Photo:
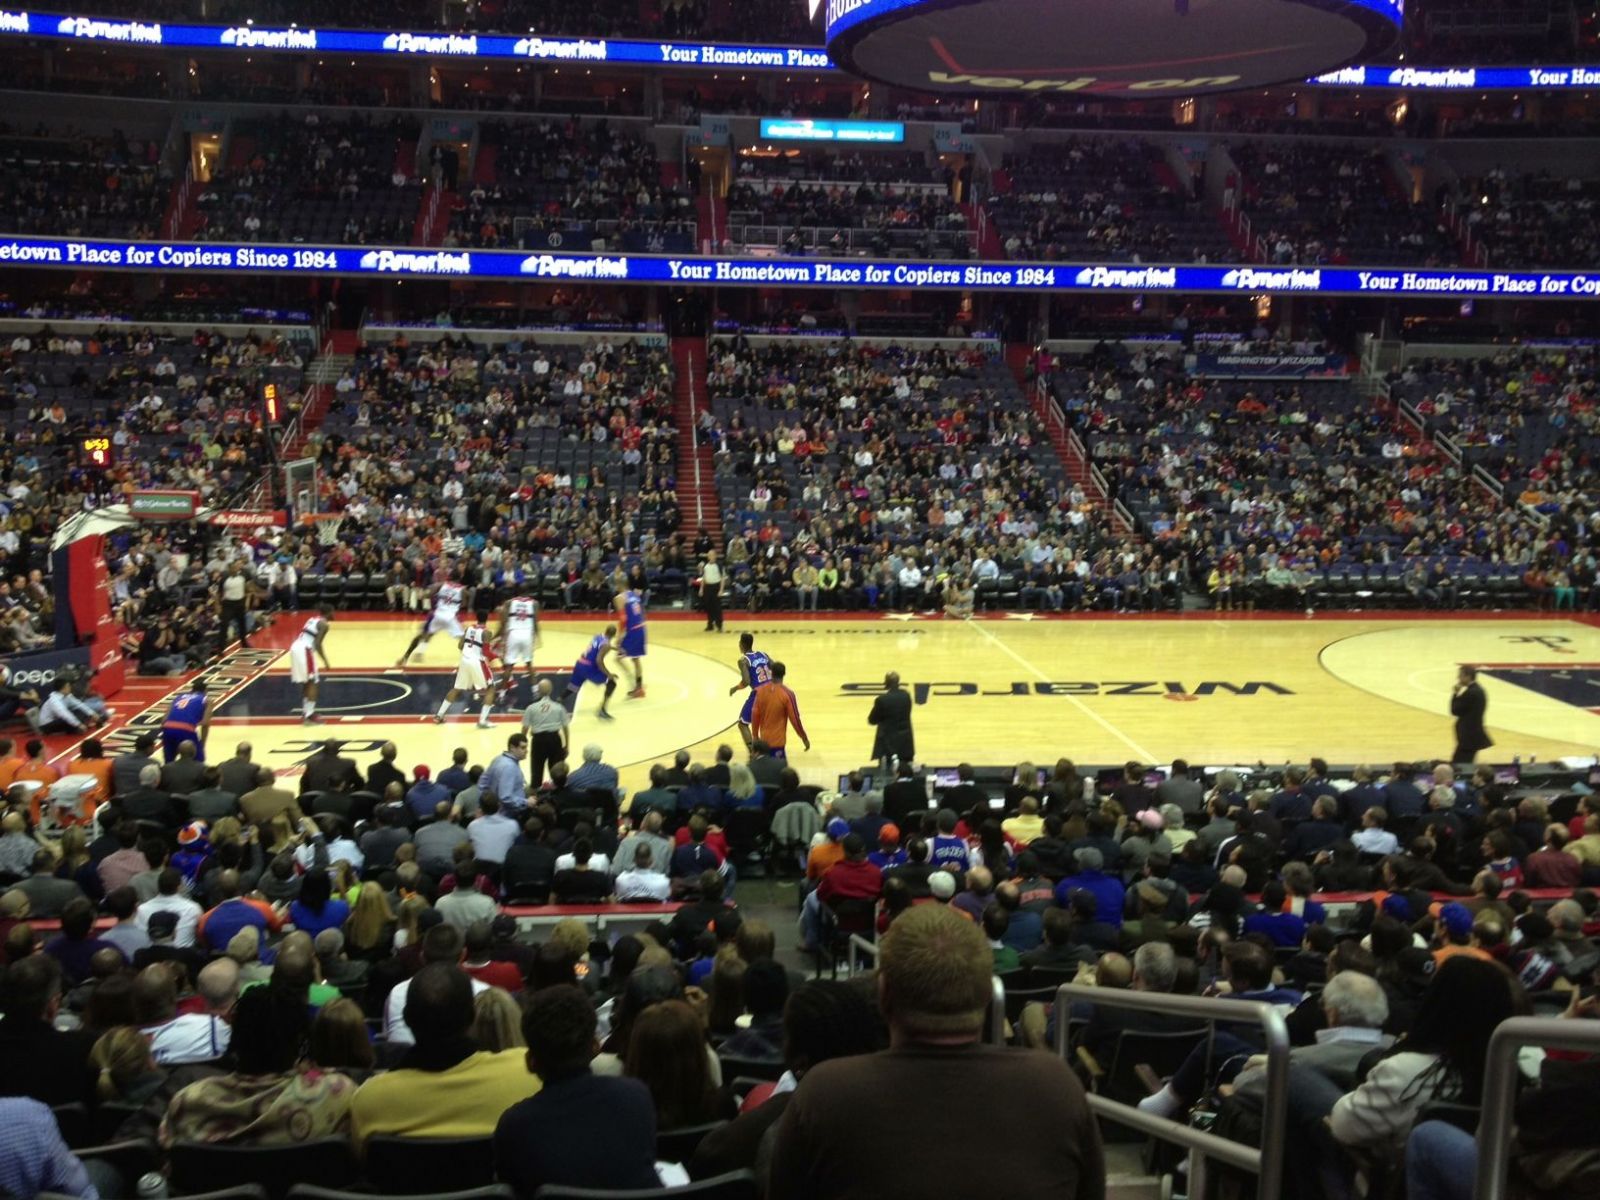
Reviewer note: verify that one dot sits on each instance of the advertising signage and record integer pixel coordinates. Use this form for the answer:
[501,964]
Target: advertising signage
[507,265]
[807,129]
[472,46]
[581,51]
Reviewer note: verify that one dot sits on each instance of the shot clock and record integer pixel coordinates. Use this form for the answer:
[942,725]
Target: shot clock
[99,451]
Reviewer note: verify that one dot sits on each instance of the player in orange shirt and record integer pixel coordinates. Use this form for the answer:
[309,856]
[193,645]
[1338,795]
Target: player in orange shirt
[92,761]
[776,709]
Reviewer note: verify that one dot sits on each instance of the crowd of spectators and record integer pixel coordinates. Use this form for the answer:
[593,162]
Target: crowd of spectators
[1315,203]
[1527,418]
[296,178]
[251,934]
[501,463]
[583,183]
[868,477]
[254,931]
[841,205]
[1100,199]
[1269,486]
[180,413]
[1164,884]
[1533,220]
[64,182]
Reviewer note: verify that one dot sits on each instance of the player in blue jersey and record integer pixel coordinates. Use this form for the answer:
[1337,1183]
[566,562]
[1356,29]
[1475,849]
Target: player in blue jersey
[755,672]
[188,720]
[629,606]
[593,666]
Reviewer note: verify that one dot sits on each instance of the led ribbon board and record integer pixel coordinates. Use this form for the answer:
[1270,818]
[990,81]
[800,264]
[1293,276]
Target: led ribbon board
[472,46]
[805,129]
[1127,48]
[1456,79]
[260,39]
[261,259]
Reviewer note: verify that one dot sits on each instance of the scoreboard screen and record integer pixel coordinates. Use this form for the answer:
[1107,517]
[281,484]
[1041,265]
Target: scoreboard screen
[99,451]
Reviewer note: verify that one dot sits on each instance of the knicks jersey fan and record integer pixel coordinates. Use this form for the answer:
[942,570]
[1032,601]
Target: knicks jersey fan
[755,672]
[474,674]
[448,597]
[630,615]
[303,657]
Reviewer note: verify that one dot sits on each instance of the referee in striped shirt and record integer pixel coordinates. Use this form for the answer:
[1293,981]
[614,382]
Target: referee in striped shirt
[546,723]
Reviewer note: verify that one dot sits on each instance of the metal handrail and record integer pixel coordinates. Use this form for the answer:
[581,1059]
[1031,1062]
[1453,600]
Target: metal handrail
[694,445]
[994,1027]
[1267,1162]
[1499,1088]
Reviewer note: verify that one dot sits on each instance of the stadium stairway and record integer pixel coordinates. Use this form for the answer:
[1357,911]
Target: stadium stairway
[1069,449]
[322,372]
[697,474]
[990,247]
[711,218]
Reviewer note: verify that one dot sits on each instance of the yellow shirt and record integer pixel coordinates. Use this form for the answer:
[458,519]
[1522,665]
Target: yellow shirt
[1022,829]
[1586,849]
[464,1101]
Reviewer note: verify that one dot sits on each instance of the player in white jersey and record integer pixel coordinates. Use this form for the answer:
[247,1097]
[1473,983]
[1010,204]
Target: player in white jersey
[303,655]
[448,597]
[474,674]
[519,630]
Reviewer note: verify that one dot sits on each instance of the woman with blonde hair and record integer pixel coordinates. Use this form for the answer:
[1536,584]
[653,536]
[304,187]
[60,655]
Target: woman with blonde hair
[572,937]
[126,1075]
[742,787]
[225,830]
[407,932]
[497,1021]
[369,930]
[76,865]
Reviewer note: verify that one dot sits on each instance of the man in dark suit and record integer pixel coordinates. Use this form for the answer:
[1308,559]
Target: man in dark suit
[383,772]
[41,1061]
[891,714]
[125,768]
[1468,703]
[148,802]
[326,771]
[906,797]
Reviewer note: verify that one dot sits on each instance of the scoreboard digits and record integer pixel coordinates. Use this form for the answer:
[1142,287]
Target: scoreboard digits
[99,452]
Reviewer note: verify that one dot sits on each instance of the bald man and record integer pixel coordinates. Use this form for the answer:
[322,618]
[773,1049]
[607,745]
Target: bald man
[238,774]
[383,772]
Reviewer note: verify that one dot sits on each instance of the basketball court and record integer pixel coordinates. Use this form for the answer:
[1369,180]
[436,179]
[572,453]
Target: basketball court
[999,689]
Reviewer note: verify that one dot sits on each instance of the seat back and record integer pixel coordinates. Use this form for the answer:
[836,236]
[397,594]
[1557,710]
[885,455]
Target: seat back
[73,1122]
[197,1167]
[736,1185]
[679,1145]
[1162,1051]
[414,1166]
[753,1068]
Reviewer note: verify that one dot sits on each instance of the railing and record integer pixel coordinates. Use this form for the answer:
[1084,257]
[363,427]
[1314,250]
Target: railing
[1500,1088]
[816,239]
[694,444]
[1267,1162]
[181,204]
[889,187]
[431,214]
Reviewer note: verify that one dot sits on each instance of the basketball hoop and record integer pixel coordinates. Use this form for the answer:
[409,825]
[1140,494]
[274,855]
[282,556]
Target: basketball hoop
[326,527]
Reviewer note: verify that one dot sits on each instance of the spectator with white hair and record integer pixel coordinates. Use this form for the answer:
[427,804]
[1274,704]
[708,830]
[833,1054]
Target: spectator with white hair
[1356,1008]
[594,774]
